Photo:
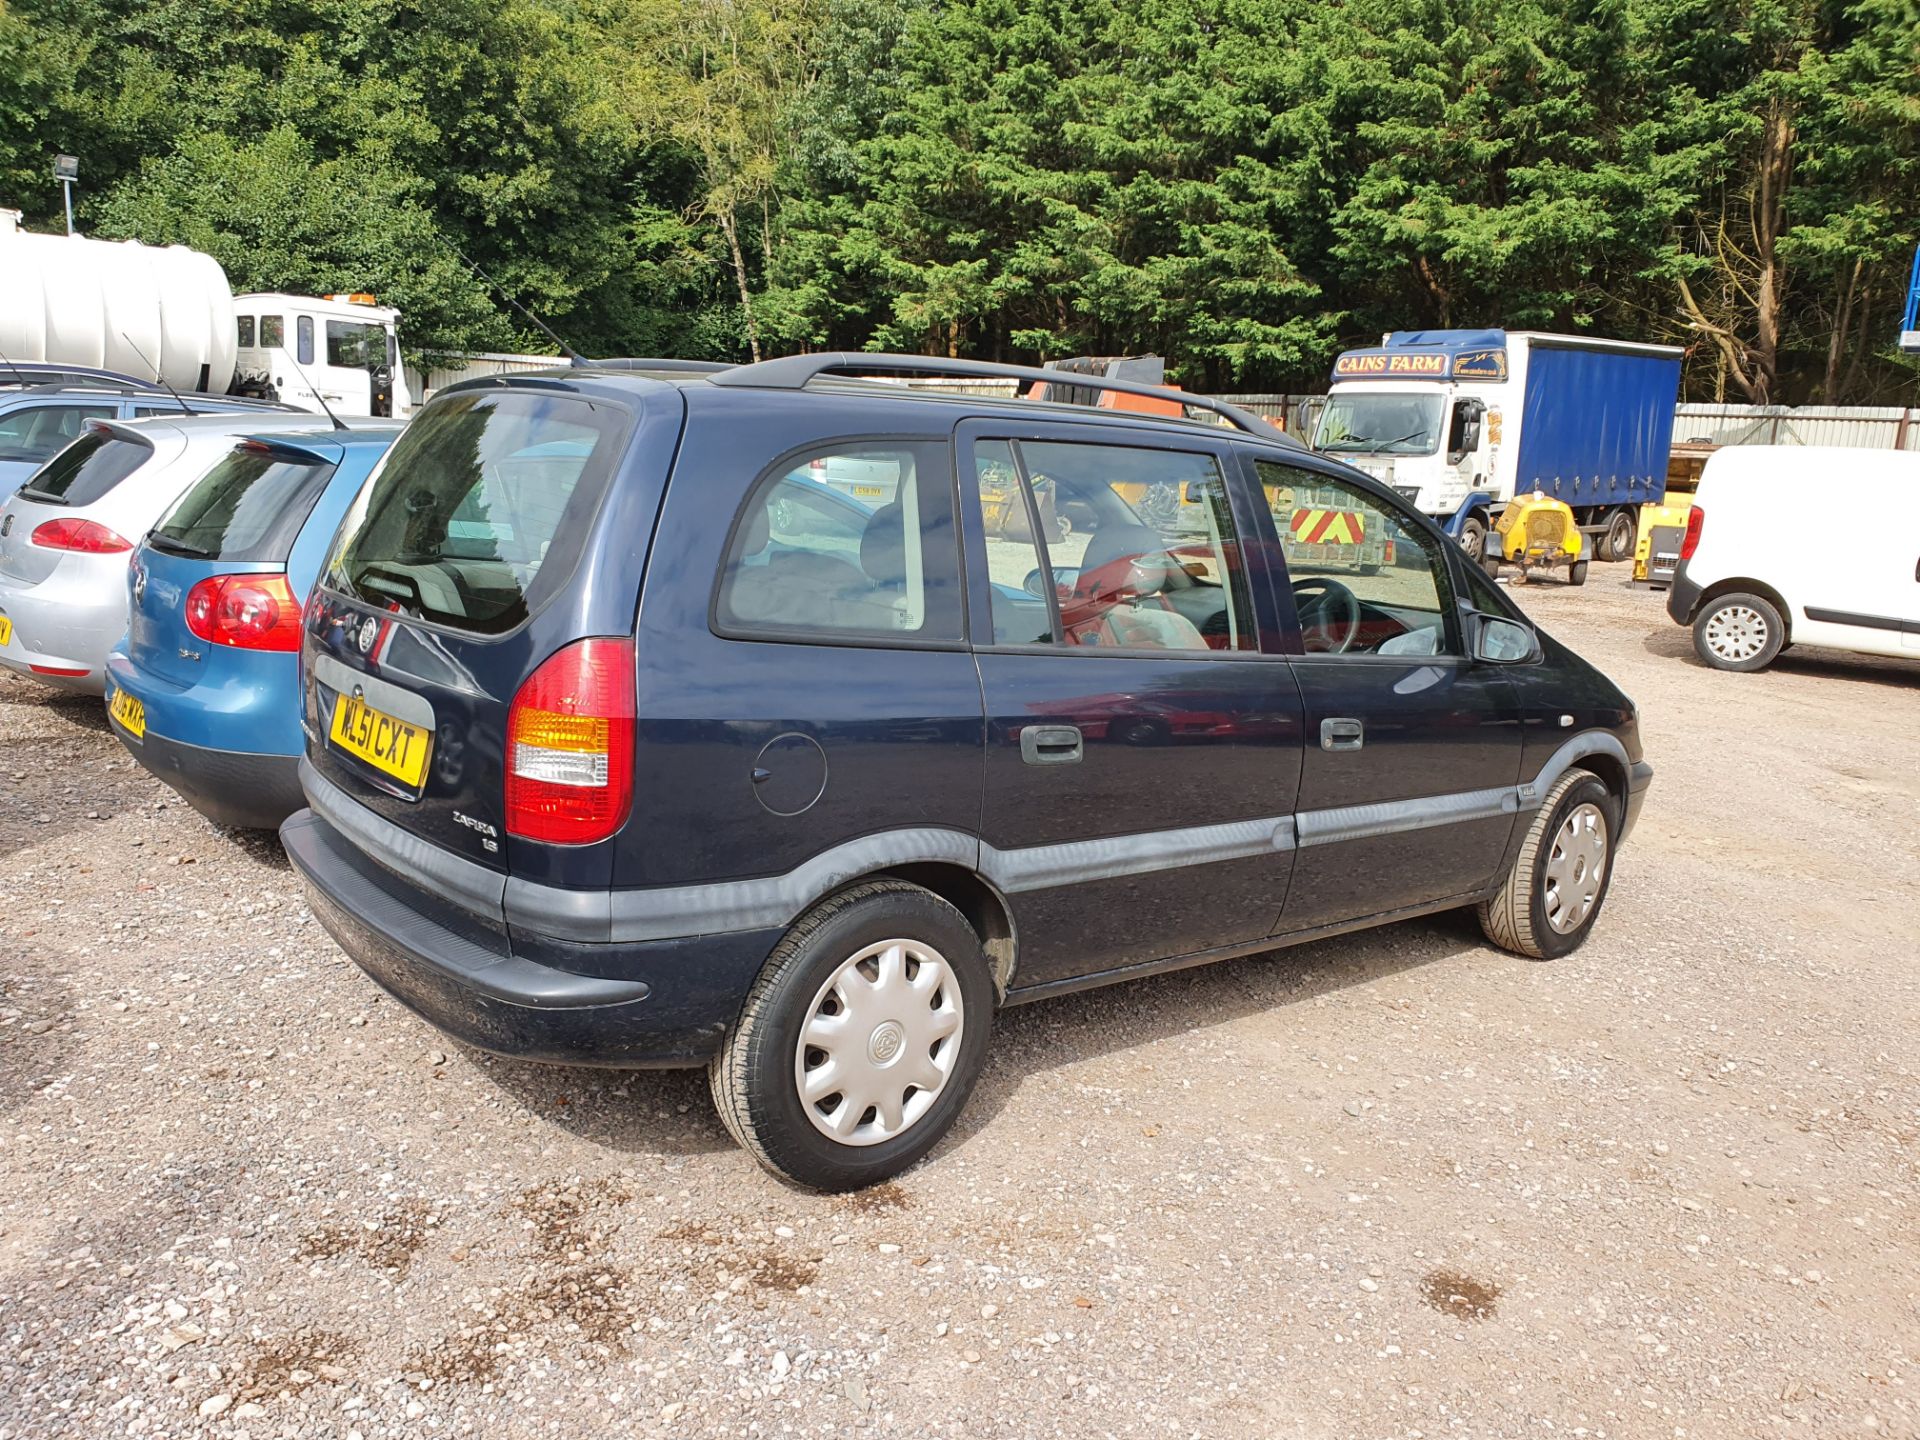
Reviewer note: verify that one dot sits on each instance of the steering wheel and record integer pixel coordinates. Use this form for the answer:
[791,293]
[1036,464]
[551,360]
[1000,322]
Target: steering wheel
[1329,615]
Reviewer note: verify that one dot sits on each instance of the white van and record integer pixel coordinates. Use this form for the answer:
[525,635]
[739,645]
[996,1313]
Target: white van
[1764,565]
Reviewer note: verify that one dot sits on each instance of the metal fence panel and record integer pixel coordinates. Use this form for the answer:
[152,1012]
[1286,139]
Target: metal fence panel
[1873,427]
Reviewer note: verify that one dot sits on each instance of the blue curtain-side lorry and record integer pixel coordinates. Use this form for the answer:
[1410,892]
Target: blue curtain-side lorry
[1461,421]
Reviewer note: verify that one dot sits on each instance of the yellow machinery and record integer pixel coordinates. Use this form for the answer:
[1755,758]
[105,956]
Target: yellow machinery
[1656,550]
[1536,532]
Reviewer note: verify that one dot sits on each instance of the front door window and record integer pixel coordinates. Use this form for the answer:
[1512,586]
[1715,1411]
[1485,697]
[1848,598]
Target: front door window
[1366,578]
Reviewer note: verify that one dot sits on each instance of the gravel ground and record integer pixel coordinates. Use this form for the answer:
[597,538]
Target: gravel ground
[1393,1185]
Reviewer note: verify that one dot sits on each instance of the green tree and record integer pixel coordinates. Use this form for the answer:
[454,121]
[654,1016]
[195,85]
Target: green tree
[278,218]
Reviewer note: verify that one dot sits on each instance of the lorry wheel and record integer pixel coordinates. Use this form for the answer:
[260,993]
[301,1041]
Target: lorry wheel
[1621,534]
[1739,632]
[1577,573]
[861,1040]
[1473,537]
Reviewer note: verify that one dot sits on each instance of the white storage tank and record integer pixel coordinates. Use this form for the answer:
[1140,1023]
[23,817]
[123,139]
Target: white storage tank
[118,305]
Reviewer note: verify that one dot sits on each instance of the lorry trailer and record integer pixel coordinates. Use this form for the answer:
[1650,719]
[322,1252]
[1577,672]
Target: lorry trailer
[165,313]
[1461,421]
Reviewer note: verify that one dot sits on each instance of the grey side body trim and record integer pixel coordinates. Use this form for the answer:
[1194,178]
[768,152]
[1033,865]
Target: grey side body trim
[676,911]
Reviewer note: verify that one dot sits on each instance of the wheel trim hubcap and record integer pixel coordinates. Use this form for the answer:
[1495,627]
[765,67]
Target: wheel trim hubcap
[1738,632]
[879,1042]
[1576,868]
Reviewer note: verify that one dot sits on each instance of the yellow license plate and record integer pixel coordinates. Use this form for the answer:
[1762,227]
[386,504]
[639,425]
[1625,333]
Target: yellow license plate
[386,743]
[874,490]
[129,713]
[6,631]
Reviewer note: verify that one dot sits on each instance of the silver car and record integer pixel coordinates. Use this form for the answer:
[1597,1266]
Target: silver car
[67,535]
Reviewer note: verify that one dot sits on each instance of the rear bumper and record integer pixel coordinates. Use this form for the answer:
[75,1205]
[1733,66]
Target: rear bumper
[242,792]
[1683,596]
[66,622]
[655,1003]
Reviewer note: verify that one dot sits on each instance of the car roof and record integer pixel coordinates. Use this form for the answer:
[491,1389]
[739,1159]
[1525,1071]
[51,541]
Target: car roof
[635,378]
[220,425]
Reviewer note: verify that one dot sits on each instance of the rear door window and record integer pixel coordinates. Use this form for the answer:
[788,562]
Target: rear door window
[88,469]
[481,509]
[1141,547]
[249,507]
[36,432]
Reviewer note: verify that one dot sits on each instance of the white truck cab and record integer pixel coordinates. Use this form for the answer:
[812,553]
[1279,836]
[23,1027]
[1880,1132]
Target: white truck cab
[1435,442]
[1461,421]
[305,349]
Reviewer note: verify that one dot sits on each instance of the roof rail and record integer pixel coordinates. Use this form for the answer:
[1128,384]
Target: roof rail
[653,362]
[793,372]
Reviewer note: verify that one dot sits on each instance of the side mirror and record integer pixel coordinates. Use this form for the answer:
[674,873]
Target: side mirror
[1499,641]
[1064,576]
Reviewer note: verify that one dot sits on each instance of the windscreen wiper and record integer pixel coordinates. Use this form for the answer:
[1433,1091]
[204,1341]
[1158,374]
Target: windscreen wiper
[172,546]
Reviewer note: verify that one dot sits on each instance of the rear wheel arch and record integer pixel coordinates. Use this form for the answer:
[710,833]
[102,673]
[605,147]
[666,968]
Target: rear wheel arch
[977,900]
[1742,586]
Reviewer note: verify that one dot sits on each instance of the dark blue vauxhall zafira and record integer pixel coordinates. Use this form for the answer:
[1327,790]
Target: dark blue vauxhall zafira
[787,720]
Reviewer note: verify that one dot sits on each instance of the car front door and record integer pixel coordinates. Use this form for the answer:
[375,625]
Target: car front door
[1143,751]
[1412,750]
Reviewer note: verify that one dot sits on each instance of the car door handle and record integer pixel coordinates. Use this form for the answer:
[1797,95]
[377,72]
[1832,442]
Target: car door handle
[1050,745]
[1342,734]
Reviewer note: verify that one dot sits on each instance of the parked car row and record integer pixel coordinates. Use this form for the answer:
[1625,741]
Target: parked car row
[771,721]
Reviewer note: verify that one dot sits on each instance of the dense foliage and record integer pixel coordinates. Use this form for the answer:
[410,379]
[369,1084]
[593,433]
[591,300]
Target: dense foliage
[1244,186]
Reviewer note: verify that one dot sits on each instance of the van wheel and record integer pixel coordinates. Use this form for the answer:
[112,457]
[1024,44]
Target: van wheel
[1559,880]
[1622,533]
[1577,573]
[1738,632]
[860,1041]
[1473,537]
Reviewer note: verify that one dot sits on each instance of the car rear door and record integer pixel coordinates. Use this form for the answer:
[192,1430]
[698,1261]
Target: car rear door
[1412,749]
[454,579]
[1143,751]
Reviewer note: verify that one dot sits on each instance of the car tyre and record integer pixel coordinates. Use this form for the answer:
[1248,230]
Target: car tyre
[816,975]
[1739,632]
[1551,897]
[1577,573]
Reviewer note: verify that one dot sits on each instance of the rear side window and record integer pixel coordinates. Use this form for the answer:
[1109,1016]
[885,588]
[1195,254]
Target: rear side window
[273,331]
[249,507]
[87,469]
[481,509]
[846,543]
[36,432]
[244,331]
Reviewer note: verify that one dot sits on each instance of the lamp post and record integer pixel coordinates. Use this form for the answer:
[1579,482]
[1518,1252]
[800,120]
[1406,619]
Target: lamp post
[66,169]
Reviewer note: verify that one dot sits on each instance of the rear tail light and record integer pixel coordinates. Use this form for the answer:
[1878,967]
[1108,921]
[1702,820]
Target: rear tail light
[248,612]
[570,745]
[87,537]
[1696,522]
